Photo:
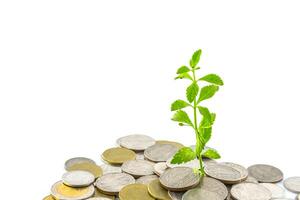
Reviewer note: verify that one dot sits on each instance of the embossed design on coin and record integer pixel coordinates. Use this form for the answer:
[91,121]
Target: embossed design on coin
[276,190]
[160,168]
[160,152]
[78,178]
[135,192]
[223,173]
[89,167]
[292,184]
[243,171]
[136,142]
[197,193]
[107,168]
[118,155]
[213,185]
[250,191]
[138,168]
[77,160]
[146,179]
[157,191]
[265,173]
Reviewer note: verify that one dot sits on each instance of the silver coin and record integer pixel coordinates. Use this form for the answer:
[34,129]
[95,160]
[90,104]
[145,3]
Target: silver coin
[265,173]
[107,168]
[251,179]
[175,195]
[140,155]
[112,183]
[276,190]
[160,152]
[138,168]
[160,168]
[197,193]
[213,185]
[136,142]
[243,171]
[78,178]
[179,179]
[69,163]
[292,184]
[250,191]
[223,173]
[146,179]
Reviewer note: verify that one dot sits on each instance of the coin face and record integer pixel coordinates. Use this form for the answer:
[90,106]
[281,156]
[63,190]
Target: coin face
[175,195]
[223,173]
[146,179]
[112,183]
[292,184]
[89,167]
[107,168]
[243,171]
[77,160]
[250,191]
[176,144]
[157,191]
[135,192]
[160,168]
[265,173]
[138,168]
[136,142]
[63,192]
[276,190]
[198,193]
[78,178]
[118,155]
[179,179]
[49,197]
[213,185]
[160,152]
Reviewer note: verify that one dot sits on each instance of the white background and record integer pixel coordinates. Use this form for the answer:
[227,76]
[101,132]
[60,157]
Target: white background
[76,75]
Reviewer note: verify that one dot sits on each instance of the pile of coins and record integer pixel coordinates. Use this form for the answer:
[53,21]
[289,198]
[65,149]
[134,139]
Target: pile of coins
[140,168]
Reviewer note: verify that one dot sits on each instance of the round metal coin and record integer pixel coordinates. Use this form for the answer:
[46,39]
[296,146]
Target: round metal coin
[176,144]
[136,142]
[223,173]
[156,190]
[77,160]
[175,195]
[276,191]
[78,178]
[104,196]
[213,185]
[107,168]
[292,184]
[251,179]
[135,192]
[250,191]
[243,171]
[197,193]
[118,155]
[160,168]
[146,179]
[89,167]
[160,152]
[265,173]
[138,168]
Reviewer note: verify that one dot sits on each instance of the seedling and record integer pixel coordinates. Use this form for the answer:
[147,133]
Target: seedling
[195,96]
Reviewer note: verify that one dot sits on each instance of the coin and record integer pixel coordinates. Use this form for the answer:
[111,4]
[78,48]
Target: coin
[251,179]
[107,168]
[179,179]
[276,191]
[197,193]
[146,179]
[250,191]
[140,155]
[266,173]
[223,173]
[213,185]
[176,144]
[175,195]
[135,192]
[77,160]
[160,152]
[105,196]
[49,197]
[118,155]
[138,168]
[78,178]
[157,191]
[112,183]
[160,168]
[292,184]
[63,192]
[243,171]
[136,142]
[89,167]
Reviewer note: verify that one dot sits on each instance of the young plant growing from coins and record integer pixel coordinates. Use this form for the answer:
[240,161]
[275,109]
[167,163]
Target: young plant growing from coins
[195,96]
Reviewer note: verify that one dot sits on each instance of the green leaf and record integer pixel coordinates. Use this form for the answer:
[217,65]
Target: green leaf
[183,155]
[212,78]
[192,92]
[179,104]
[182,117]
[211,153]
[195,58]
[207,92]
[206,134]
[184,76]
[206,117]
[213,118]
[183,69]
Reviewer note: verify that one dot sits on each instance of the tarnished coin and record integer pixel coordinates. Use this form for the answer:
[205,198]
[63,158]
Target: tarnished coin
[243,171]
[118,155]
[197,193]
[175,195]
[250,191]
[292,184]
[213,185]
[138,168]
[135,192]
[157,191]
[49,197]
[265,173]
[136,142]
[63,192]
[78,178]
[160,168]
[276,190]
[223,173]
[112,183]
[160,152]
[179,179]
[89,167]
[176,144]
[104,196]
[77,160]
[251,179]
[107,168]
[146,179]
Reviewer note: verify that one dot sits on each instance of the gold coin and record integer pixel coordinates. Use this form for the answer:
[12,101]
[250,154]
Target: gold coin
[176,144]
[157,191]
[89,167]
[118,155]
[49,197]
[64,192]
[135,191]
[99,194]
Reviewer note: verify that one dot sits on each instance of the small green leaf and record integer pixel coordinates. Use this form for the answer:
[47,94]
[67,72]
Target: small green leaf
[192,92]
[211,153]
[212,78]
[207,92]
[183,69]
[213,118]
[183,155]
[195,58]
[179,104]
[184,76]
[206,117]
[182,117]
